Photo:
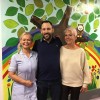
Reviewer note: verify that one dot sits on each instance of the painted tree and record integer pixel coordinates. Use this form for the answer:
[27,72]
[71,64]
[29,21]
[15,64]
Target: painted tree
[59,28]
[62,13]
[74,11]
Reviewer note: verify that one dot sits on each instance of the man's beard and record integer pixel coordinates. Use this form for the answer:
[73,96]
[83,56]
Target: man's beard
[47,36]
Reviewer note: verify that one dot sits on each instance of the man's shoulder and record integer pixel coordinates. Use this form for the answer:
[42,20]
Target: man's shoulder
[38,41]
[57,39]
[36,44]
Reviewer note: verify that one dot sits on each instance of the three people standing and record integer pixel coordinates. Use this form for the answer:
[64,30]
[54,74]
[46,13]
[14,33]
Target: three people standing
[55,64]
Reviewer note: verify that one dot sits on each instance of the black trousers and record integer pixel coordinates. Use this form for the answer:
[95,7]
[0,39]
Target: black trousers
[74,92]
[54,89]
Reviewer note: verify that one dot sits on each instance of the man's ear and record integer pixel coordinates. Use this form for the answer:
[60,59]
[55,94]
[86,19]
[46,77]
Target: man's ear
[40,31]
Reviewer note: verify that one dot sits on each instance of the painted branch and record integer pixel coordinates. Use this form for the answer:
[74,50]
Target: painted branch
[36,21]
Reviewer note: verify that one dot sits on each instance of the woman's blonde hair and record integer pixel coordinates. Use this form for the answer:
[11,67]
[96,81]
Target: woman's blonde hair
[19,47]
[72,30]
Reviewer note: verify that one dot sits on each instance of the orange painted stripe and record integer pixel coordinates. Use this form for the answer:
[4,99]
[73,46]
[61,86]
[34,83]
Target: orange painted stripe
[5,64]
[93,51]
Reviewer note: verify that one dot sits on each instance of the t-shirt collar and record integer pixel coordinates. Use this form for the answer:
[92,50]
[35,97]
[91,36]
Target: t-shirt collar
[42,40]
[31,53]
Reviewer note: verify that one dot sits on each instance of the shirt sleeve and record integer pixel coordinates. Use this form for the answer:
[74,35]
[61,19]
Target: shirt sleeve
[35,46]
[86,70]
[13,64]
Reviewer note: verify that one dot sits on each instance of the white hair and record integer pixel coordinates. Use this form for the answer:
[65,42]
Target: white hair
[72,30]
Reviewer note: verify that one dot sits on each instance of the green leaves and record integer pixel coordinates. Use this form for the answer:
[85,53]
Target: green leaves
[44,10]
[37,36]
[59,3]
[87,27]
[44,17]
[59,14]
[29,9]
[66,1]
[96,10]
[91,17]
[38,3]
[11,11]
[96,23]
[21,3]
[91,1]
[12,42]
[83,19]
[22,19]
[53,19]
[76,16]
[11,0]
[20,31]
[49,9]
[9,23]
[39,12]
[74,24]
[21,9]
[47,0]
[93,36]
[74,2]
[13,31]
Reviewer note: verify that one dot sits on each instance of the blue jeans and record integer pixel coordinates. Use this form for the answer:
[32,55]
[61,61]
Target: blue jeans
[53,88]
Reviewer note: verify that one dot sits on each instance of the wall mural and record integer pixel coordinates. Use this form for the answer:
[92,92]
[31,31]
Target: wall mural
[27,15]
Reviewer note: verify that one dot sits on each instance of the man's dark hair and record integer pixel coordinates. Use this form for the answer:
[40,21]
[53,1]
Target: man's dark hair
[46,21]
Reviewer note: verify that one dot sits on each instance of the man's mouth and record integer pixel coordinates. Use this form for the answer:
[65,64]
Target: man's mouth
[46,34]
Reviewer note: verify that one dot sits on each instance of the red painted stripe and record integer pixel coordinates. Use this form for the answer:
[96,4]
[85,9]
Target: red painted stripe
[4,75]
[93,51]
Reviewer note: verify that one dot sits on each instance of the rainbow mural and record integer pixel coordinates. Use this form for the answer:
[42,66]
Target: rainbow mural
[16,19]
[94,64]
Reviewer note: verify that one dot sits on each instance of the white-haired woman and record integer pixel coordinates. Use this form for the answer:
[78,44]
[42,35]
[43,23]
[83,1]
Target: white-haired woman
[74,67]
[22,70]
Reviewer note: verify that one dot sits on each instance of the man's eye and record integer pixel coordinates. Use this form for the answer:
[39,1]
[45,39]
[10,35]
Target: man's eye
[48,28]
[70,34]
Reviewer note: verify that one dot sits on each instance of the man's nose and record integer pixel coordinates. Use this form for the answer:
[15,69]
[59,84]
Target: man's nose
[46,31]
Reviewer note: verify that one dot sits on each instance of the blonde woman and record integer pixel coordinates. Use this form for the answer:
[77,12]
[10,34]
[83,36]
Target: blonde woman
[22,70]
[74,67]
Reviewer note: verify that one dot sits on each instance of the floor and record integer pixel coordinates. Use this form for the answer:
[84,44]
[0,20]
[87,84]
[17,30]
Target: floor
[95,99]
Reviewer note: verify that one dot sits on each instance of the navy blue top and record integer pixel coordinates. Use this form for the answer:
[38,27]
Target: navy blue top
[48,59]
